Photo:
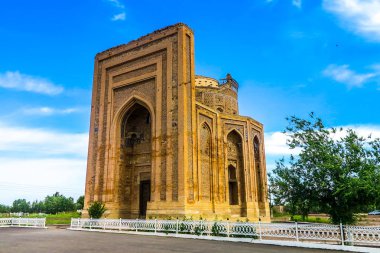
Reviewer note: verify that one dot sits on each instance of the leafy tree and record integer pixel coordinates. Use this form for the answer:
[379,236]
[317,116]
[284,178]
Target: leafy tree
[38,207]
[58,203]
[336,171]
[80,203]
[4,209]
[51,205]
[20,205]
[96,210]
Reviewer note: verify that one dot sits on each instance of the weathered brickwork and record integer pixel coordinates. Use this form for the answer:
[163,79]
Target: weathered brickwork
[164,142]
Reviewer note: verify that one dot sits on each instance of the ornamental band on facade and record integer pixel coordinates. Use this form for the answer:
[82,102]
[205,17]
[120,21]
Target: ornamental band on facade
[165,142]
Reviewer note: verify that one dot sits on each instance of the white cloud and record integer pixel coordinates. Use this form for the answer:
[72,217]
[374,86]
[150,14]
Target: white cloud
[120,6]
[297,3]
[120,16]
[363,131]
[342,74]
[35,178]
[42,142]
[18,81]
[48,111]
[360,16]
[117,3]
[275,142]
[36,162]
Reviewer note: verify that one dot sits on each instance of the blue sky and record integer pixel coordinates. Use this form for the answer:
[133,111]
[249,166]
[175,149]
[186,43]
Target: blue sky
[290,57]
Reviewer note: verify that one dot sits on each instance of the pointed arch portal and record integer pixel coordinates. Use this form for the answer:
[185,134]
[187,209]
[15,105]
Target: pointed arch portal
[136,156]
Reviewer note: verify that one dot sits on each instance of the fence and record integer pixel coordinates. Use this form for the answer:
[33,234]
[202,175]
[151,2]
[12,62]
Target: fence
[23,222]
[335,234]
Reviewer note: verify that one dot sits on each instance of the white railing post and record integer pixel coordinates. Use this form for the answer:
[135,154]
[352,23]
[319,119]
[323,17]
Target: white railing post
[137,224]
[201,227]
[228,228]
[104,223]
[297,231]
[120,224]
[260,230]
[155,226]
[176,227]
[90,222]
[341,233]
[351,237]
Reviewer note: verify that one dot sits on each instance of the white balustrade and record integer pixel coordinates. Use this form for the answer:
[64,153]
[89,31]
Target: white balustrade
[362,235]
[23,222]
[324,233]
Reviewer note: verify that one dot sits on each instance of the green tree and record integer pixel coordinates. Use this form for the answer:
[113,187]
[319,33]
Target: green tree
[58,203]
[37,207]
[80,203]
[4,209]
[96,210]
[20,205]
[336,171]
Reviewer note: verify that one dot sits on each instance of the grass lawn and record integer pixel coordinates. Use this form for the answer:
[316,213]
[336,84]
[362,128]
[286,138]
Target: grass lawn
[281,217]
[312,219]
[61,218]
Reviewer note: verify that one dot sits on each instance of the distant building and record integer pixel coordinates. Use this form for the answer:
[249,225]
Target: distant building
[165,142]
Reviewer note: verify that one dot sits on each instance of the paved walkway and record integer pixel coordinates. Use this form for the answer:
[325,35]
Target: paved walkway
[20,240]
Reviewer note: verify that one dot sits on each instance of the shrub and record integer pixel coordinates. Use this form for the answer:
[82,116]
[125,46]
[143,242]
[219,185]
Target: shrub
[215,230]
[183,228]
[199,229]
[96,210]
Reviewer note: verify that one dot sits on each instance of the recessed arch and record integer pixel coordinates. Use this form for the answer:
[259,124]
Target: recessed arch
[135,99]
[119,114]
[235,159]
[132,136]
[234,131]
[258,168]
[205,152]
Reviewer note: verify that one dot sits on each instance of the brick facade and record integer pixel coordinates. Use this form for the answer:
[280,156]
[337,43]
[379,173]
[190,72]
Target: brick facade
[164,142]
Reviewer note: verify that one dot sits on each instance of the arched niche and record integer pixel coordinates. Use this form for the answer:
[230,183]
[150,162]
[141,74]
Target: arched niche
[235,159]
[258,169]
[205,151]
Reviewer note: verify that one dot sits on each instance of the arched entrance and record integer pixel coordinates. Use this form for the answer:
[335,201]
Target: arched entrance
[236,173]
[136,160]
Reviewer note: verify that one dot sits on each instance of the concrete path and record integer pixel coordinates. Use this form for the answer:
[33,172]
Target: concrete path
[20,240]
